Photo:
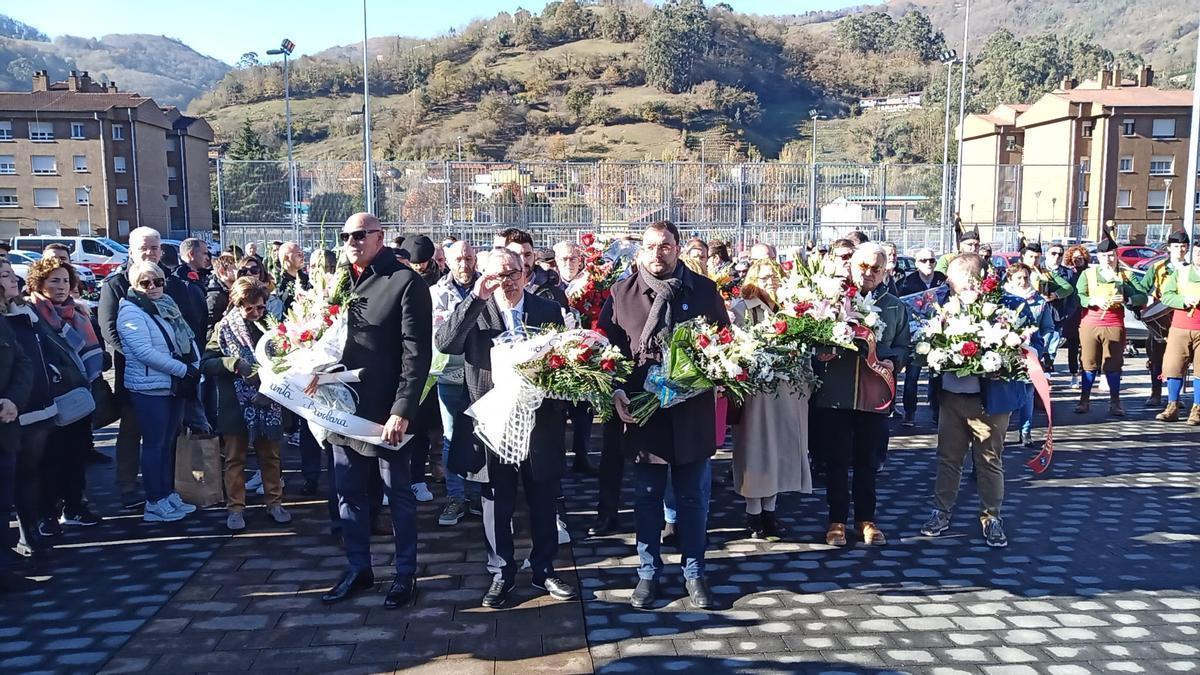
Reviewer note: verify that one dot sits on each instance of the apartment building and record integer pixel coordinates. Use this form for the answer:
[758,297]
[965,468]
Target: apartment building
[82,158]
[1107,149]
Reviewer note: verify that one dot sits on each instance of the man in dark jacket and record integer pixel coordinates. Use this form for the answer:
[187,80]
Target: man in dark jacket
[145,244]
[418,252]
[922,279]
[499,303]
[16,381]
[541,282]
[638,318]
[291,275]
[389,339]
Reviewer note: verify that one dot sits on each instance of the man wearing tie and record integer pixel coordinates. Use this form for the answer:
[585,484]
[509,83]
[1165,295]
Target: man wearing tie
[498,303]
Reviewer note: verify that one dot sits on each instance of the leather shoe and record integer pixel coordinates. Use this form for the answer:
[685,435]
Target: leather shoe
[604,526]
[584,467]
[351,583]
[402,592]
[556,587]
[497,595]
[645,594]
[698,593]
[309,488]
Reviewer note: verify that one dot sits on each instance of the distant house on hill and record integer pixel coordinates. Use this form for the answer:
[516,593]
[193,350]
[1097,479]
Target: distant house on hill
[894,103]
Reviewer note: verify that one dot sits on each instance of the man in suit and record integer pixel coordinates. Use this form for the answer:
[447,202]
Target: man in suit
[638,318]
[499,302]
[389,338]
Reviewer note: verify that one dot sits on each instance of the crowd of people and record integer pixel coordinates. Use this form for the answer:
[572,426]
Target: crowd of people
[181,348]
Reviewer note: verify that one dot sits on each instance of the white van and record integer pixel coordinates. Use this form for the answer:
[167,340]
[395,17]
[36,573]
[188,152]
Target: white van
[99,254]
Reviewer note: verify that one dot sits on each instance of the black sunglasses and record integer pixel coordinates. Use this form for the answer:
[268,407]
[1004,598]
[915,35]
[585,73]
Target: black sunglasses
[249,272]
[147,283]
[926,260]
[358,235]
[845,256]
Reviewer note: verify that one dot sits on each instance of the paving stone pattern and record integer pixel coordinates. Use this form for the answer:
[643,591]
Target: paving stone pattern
[1100,575]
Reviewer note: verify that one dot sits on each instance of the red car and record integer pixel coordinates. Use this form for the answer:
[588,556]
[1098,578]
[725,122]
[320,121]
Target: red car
[1132,255]
[1145,263]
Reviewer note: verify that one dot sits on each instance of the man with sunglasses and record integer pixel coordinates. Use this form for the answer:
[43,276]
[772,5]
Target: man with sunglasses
[1066,307]
[145,244]
[924,278]
[389,338]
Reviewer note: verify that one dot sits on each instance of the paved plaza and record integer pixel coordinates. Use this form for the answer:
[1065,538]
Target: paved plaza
[1100,575]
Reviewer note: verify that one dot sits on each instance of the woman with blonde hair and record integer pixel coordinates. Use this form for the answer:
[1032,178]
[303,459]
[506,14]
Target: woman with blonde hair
[770,442]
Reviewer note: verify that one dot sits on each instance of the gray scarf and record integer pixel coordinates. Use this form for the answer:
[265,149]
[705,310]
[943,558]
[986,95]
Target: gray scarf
[660,321]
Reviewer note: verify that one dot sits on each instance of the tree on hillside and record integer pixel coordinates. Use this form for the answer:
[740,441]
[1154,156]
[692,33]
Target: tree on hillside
[915,33]
[615,25]
[870,32]
[248,60]
[569,22]
[247,144]
[252,191]
[529,33]
[677,36]
[1010,70]
[577,100]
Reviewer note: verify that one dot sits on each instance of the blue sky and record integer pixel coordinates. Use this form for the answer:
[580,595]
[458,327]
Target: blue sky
[226,29]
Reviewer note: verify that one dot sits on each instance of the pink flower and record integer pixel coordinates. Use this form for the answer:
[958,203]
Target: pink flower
[780,327]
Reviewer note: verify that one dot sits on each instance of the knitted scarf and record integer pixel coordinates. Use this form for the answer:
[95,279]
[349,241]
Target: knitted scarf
[166,308]
[660,321]
[74,324]
[235,341]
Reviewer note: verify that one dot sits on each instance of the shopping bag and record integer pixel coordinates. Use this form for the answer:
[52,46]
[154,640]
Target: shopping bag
[198,469]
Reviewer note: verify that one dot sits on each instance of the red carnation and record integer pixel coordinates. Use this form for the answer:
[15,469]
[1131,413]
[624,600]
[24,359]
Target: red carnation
[741,377]
[556,361]
[285,345]
[587,239]
[584,356]
[851,290]
[329,321]
[608,365]
[282,329]
[788,265]
[334,310]
[725,336]
[702,341]
[969,349]
[306,336]
[802,307]
[193,276]
[989,284]
[736,291]
[780,327]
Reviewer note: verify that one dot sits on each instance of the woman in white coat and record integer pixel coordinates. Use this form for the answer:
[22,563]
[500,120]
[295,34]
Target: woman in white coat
[161,373]
[770,442]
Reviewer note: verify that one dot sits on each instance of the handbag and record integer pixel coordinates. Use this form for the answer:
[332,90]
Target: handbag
[73,406]
[108,410]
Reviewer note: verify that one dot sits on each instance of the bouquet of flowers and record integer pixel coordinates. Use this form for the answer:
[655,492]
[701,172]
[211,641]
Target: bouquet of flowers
[784,353]
[729,283]
[602,268]
[579,365]
[313,332]
[827,310]
[973,333]
[698,357]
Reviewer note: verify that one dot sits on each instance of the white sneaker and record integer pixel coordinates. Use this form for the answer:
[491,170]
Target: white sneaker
[421,490]
[255,482]
[564,537]
[179,505]
[1074,381]
[161,511]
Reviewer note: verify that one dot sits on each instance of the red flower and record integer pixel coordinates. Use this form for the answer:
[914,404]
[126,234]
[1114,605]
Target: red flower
[736,291]
[334,310]
[306,336]
[329,321]
[584,356]
[556,361]
[193,276]
[285,345]
[725,336]
[702,341]
[741,377]
[969,349]
[282,329]
[851,290]
[608,365]
[802,307]
[781,327]
[989,284]
[788,265]
[587,239]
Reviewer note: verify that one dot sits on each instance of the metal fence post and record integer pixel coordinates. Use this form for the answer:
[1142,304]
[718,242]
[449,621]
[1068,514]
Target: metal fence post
[220,202]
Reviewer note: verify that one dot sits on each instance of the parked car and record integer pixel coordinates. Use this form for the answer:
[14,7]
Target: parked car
[97,254]
[905,265]
[1132,255]
[21,260]
[1145,263]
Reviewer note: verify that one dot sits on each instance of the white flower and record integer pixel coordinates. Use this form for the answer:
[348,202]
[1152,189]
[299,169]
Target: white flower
[1012,340]
[969,297]
[923,348]
[991,362]
[960,325]
[933,326]
[957,357]
[830,287]
[842,333]
[937,357]
[952,306]
[989,308]
[871,319]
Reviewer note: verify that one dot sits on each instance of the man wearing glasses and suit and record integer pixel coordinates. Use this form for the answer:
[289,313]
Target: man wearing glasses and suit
[922,279]
[389,337]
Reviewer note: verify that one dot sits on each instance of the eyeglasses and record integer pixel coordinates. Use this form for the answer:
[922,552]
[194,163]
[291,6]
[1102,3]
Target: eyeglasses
[870,268]
[358,235]
[844,256]
[1055,253]
[926,260]
[256,308]
[505,276]
[158,282]
[249,272]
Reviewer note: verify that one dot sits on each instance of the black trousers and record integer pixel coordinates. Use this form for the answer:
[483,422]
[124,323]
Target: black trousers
[580,415]
[29,481]
[64,468]
[499,504]
[612,469]
[854,440]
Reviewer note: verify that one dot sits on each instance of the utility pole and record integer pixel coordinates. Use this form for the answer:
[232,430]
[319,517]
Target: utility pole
[1189,198]
[368,169]
[286,47]
[962,108]
[948,57]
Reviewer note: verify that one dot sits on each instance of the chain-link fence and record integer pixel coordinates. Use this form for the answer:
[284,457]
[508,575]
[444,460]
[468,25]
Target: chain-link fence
[785,204]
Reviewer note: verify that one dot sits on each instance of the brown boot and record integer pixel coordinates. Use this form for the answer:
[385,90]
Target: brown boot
[836,535]
[1194,416]
[871,535]
[1084,404]
[1114,405]
[1170,413]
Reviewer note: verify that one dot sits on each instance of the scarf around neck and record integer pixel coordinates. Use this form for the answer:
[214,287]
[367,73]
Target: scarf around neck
[235,340]
[75,326]
[660,321]
[166,309]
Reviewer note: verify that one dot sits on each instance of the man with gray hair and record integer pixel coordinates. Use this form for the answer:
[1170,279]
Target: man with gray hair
[145,245]
[923,279]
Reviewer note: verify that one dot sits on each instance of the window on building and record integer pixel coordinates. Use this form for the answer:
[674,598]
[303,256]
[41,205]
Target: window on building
[1156,199]
[10,228]
[171,173]
[172,201]
[1125,198]
[1010,143]
[118,132]
[8,197]
[41,131]
[77,130]
[5,131]
[43,165]
[82,196]
[1125,164]
[1083,197]
[80,163]
[1085,164]
[8,164]
[1127,127]
[123,228]
[1162,165]
[1123,231]
[119,164]
[122,196]
[84,227]
[49,227]
[1009,204]
[1010,173]
[45,198]
[1087,128]
[1163,128]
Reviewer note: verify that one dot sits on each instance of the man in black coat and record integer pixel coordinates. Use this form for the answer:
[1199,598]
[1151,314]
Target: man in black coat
[638,318]
[499,302]
[145,244]
[389,338]
[16,382]
[922,279]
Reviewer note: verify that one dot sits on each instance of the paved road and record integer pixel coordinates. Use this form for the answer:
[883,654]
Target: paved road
[1100,575]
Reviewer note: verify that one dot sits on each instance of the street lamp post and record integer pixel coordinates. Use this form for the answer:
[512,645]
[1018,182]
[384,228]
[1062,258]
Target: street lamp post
[1162,224]
[962,107]
[286,47]
[815,115]
[948,57]
[368,169]
[460,148]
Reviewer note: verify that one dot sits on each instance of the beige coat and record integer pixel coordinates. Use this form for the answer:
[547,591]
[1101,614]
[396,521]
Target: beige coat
[770,445]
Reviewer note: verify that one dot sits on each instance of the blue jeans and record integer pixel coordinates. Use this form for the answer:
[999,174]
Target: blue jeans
[670,513]
[1026,412]
[354,474]
[688,481]
[453,400]
[159,418]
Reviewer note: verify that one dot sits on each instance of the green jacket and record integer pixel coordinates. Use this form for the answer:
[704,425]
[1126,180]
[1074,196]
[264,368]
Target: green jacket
[1171,296]
[1134,295]
[840,377]
[1049,281]
[219,372]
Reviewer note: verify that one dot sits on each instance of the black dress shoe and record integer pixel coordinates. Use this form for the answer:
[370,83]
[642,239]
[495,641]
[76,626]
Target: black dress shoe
[497,595]
[584,467]
[309,488]
[351,583]
[402,592]
[645,594]
[698,593]
[556,587]
[604,526]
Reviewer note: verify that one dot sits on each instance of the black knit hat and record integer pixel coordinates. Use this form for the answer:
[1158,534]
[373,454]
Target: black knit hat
[1178,237]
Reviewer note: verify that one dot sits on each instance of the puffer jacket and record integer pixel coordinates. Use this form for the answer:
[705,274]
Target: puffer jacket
[149,364]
